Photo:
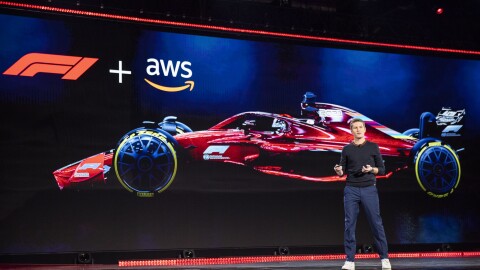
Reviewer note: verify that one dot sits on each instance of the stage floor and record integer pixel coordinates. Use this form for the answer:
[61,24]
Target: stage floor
[367,264]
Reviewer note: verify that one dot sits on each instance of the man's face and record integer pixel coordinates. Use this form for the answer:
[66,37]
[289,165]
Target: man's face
[358,130]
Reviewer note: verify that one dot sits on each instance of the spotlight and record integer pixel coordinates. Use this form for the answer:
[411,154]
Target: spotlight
[188,253]
[283,251]
[446,247]
[367,248]
[84,258]
[439,11]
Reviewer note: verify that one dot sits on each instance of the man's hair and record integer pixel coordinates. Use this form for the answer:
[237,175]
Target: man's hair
[355,120]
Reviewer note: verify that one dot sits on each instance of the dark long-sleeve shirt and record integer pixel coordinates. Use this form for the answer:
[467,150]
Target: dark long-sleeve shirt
[354,157]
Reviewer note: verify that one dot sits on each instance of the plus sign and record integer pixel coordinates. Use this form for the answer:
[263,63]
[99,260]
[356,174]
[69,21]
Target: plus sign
[120,71]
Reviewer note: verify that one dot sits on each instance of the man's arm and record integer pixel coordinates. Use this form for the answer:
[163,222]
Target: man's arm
[379,167]
[343,163]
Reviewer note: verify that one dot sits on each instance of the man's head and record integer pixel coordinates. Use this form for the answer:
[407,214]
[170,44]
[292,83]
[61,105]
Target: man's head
[357,126]
[356,120]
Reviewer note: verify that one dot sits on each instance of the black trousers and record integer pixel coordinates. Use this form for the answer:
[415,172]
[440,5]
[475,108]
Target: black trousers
[368,198]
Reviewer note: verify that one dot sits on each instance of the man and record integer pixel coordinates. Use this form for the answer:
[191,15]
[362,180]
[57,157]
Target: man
[362,161]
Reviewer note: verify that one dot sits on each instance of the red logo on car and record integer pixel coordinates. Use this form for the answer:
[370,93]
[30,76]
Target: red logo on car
[71,66]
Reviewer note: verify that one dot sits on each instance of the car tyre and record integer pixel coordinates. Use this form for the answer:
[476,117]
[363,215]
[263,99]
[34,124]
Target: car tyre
[145,161]
[437,168]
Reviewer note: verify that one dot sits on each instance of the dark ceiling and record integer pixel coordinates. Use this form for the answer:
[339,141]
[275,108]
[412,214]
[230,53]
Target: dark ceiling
[412,22]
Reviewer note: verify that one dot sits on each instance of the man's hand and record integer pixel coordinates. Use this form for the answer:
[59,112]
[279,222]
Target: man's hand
[338,169]
[368,169]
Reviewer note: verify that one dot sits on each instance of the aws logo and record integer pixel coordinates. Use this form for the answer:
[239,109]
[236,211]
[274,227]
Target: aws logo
[72,67]
[170,69]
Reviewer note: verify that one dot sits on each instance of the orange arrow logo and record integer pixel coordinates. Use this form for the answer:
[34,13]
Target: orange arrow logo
[188,84]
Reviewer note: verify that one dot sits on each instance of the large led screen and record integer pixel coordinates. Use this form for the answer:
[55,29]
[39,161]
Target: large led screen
[120,136]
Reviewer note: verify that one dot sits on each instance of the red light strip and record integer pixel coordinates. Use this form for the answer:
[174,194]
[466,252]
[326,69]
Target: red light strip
[289,258]
[235,30]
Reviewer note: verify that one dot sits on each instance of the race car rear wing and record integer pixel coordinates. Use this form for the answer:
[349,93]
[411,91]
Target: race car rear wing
[448,123]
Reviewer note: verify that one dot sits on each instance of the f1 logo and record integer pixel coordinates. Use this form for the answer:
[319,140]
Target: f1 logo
[452,128]
[220,149]
[71,66]
[89,166]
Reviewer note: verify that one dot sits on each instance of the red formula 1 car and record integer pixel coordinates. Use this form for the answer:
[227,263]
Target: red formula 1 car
[146,159]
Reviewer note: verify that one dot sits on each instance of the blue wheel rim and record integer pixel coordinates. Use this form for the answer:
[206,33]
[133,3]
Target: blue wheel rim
[438,170]
[145,163]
